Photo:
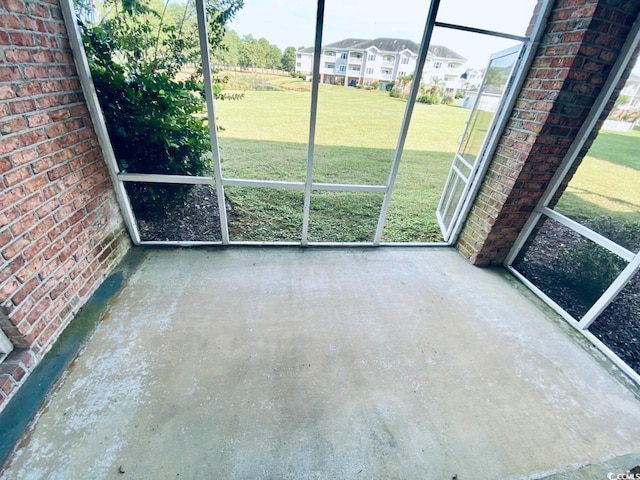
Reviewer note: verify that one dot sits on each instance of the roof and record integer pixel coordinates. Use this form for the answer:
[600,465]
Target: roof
[391,45]
[346,43]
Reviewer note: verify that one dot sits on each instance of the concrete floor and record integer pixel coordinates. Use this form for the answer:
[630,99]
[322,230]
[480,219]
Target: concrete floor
[403,363]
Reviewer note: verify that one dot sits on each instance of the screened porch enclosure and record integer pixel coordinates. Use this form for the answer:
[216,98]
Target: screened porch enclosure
[310,162]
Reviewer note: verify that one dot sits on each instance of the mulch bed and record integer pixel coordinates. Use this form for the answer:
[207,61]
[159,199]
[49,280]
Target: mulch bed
[618,326]
[192,219]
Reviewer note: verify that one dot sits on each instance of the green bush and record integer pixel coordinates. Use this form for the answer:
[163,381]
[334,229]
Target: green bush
[429,99]
[447,100]
[156,122]
[397,92]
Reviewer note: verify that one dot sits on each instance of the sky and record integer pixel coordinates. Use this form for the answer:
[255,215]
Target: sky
[292,22]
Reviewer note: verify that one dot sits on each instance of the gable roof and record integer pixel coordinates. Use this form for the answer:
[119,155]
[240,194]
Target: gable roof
[389,45]
[346,43]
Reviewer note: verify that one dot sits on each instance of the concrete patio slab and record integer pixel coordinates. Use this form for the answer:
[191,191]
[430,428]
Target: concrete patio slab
[405,363]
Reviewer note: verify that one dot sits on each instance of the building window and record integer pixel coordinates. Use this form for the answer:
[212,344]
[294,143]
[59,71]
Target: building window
[330,54]
[343,56]
[298,64]
[437,64]
[330,65]
[371,58]
[402,74]
[369,71]
[405,61]
[342,68]
[453,65]
[354,69]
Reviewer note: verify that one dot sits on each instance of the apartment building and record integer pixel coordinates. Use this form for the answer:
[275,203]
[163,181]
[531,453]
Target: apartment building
[358,61]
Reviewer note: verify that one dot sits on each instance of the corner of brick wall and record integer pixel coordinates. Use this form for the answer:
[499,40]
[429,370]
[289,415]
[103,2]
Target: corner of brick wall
[61,231]
[582,41]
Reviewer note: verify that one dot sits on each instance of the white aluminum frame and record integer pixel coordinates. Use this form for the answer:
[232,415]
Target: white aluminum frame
[218,179]
[543,209]
[484,154]
[6,347]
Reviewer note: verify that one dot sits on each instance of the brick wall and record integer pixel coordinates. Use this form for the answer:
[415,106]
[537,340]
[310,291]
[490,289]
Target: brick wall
[60,228]
[581,43]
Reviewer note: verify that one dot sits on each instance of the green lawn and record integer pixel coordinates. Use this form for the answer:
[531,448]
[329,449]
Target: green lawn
[607,183]
[265,137]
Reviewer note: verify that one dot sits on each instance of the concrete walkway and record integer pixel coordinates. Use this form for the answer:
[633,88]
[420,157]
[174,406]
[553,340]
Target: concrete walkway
[403,363]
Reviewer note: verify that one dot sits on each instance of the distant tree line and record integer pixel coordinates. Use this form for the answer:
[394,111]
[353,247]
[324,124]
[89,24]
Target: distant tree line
[252,53]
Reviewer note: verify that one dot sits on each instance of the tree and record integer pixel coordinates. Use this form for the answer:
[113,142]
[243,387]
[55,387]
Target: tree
[229,53]
[494,77]
[274,57]
[289,59]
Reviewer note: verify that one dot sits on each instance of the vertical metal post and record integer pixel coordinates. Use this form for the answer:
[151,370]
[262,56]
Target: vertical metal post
[312,120]
[411,100]
[213,130]
[82,66]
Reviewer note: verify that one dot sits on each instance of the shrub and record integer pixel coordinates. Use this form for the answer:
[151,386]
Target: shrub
[376,85]
[397,92]
[429,99]
[447,100]
[156,123]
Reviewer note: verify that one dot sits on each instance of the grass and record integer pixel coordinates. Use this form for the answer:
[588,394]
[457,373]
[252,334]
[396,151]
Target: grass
[266,135]
[607,182]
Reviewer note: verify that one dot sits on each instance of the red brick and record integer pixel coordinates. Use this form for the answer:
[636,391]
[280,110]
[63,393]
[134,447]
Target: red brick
[25,290]
[35,72]
[8,198]
[14,125]
[39,11]
[9,22]
[9,144]
[38,119]
[8,74]
[32,137]
[58,172]
[43,56]
[18,56]
[17,175]
[24,156]
[23,224]
[35,248]
[14,248]
[47,41]
[35,183]
[22,39]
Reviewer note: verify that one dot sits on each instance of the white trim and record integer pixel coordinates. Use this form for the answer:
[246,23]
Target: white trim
[6,347]
[213,129]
